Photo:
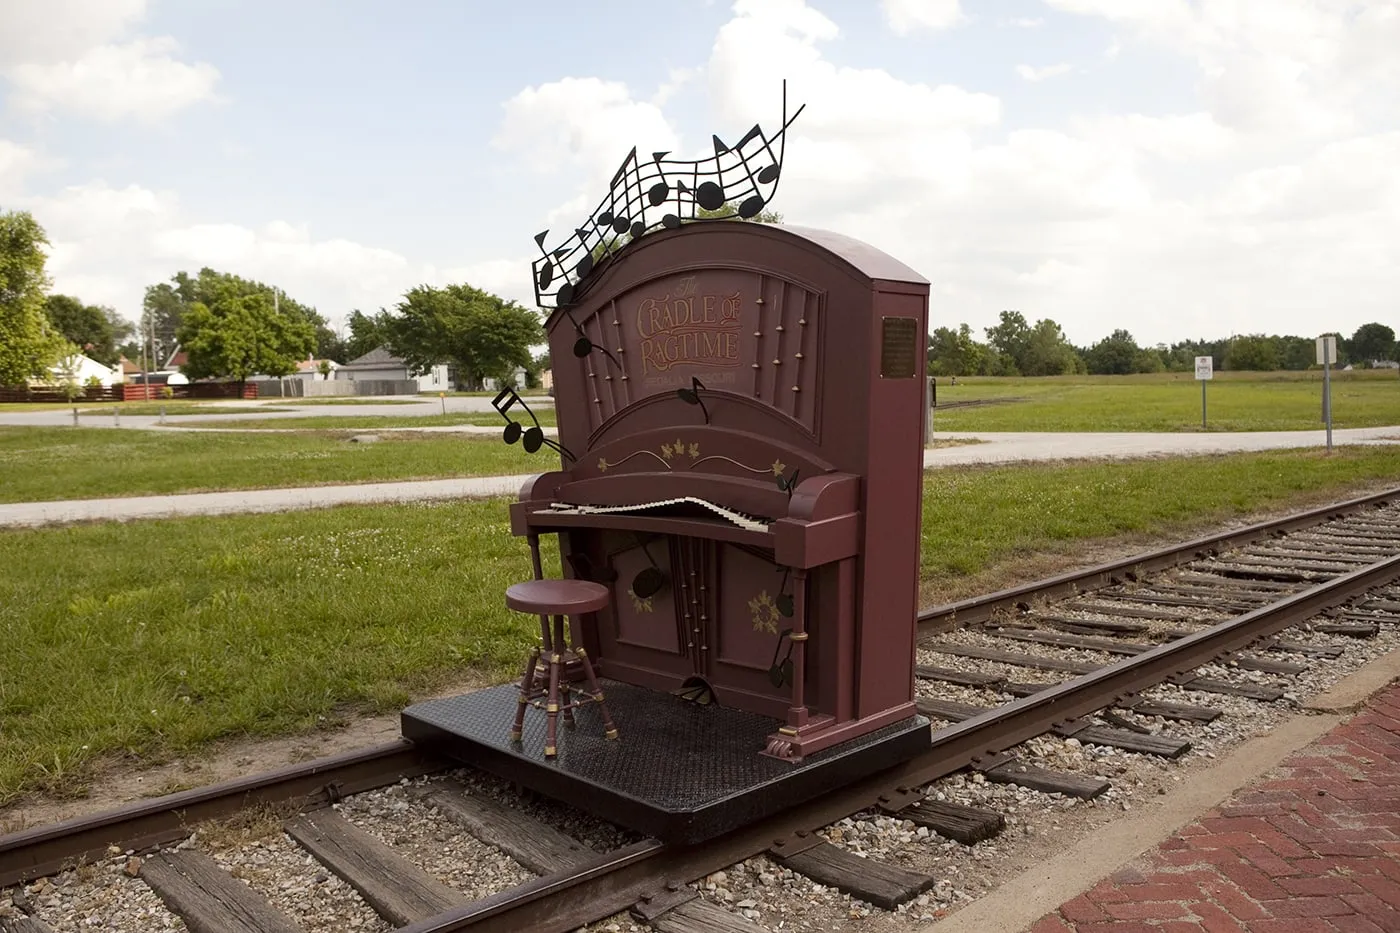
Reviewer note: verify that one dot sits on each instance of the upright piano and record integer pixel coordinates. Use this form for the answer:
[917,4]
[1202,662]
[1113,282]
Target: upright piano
[740,409]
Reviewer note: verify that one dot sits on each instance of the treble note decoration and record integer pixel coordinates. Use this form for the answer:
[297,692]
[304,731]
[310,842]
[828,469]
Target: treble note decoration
[661,193]
[532,439]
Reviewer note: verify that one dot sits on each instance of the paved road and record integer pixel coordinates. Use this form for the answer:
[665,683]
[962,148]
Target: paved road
[997,448]
[456,404]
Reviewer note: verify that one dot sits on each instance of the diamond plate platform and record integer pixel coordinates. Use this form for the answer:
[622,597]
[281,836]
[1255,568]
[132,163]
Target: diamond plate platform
[679,772]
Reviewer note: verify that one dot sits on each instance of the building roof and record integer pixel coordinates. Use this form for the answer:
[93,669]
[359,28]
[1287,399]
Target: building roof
[311,366]
[378,358]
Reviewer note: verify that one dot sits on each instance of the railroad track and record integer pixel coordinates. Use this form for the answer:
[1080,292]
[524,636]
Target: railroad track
[1136,658]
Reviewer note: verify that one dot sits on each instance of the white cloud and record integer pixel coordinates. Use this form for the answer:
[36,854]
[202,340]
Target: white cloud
[1023,22]
[64,56]
[906,16]
[1172,225]
[138,80]
[579,121]
[1033,74]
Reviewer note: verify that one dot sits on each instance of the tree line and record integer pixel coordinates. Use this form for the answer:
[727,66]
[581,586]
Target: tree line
[1015,347]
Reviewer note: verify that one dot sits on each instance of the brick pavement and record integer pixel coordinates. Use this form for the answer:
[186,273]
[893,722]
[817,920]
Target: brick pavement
[1317,848]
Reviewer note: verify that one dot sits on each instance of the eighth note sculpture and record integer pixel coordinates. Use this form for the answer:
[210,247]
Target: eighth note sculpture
[661,193]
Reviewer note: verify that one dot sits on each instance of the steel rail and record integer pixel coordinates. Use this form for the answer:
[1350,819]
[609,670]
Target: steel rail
[45,850]
[613,883]
[981,608]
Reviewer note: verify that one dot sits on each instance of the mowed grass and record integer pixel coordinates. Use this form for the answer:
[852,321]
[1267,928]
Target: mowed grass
[134,642]
[151,639]
[975,517]
[488,419]
[38,464]
[1169,402]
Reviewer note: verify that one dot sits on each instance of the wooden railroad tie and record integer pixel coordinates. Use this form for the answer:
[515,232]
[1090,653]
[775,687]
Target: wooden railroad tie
[870,880]
[209,899]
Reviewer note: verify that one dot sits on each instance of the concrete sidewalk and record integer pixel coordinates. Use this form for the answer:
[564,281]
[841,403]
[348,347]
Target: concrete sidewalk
[995,448]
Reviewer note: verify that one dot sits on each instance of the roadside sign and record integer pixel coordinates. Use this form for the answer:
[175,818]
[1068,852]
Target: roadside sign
[1205,367]
[1326,350]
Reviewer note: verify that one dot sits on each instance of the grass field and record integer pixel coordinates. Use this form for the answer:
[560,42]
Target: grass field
[1170,402]
[134,642]
[358,422]
[349,400]
[39,464]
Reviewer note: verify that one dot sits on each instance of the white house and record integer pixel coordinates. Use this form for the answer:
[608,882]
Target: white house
[82,368]
[380,364]
[309,370]
[517,381]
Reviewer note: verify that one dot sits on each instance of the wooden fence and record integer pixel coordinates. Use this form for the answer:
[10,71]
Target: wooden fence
[131,392]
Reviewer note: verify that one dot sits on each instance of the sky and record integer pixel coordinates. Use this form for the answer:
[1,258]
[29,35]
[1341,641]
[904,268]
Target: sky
[1180,169]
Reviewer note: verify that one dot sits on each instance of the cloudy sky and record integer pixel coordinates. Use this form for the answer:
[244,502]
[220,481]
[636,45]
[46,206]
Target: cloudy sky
[1180,168]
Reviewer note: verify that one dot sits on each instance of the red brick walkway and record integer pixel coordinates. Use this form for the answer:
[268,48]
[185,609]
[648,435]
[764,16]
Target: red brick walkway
[1316,850]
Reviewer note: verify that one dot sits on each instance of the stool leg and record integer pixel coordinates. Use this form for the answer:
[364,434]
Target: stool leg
[609,729]
[551,745]
[527,684]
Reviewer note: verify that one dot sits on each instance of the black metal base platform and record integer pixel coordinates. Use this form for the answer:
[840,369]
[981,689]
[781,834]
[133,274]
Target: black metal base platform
[678,771]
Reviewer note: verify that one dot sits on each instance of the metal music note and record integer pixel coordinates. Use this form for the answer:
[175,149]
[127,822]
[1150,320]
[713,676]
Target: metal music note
[532,438]
[639,190]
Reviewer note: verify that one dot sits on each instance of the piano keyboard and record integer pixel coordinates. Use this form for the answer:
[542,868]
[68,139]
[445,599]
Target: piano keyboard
[746,522]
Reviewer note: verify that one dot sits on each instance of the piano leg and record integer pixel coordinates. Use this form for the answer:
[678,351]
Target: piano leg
[797,713]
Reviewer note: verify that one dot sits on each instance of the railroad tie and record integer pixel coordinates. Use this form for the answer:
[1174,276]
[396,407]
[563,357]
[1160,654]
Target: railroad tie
[867,879]
[537,846]
[209,899]
[701,916]
[398,890]
[1050,782]
[968,825]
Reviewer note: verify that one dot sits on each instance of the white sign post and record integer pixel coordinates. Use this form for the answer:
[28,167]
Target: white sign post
[1327,355]
[1205,371]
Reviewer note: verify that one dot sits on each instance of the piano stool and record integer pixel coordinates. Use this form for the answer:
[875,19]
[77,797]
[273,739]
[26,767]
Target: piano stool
[555,600]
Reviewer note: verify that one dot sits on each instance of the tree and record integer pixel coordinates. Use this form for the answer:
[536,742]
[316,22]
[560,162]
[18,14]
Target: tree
[366,333]
[238,335]
[1114,355]
[1372,342]
[485,335]
[729,209]
[28,345]
[94,329]
[1047,352]
[1010,336]
[955,352]
[167,303]
[1253,352]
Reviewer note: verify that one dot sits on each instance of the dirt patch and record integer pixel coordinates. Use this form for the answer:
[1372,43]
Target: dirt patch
[120,783]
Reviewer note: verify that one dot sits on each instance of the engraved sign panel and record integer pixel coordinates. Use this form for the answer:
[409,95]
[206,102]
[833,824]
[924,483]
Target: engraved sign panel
[899,342]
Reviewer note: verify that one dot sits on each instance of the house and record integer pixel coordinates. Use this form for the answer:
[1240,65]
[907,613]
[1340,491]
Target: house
[309,370]
[518,381]
[381,365]
[81,369]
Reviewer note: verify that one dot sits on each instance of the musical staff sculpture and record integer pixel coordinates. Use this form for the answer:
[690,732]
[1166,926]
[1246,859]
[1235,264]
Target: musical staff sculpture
[662,193]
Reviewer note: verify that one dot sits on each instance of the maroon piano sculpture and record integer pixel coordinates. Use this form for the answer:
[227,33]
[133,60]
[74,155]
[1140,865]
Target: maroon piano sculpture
[746,474]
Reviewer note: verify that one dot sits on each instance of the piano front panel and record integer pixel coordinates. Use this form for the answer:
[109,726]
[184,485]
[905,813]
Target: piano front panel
[646,623]
[736,330]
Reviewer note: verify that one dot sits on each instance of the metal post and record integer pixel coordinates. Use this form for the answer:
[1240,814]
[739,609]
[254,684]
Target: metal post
[1203,404]
[1327,401]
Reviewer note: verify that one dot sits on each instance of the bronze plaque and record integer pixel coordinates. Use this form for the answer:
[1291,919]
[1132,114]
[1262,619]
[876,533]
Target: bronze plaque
[899,343]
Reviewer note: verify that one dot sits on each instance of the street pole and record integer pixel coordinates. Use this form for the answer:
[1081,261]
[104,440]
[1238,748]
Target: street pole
[1203,404]
[1327,401]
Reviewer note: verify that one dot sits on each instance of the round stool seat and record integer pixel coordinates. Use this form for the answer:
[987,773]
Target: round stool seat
[557,597]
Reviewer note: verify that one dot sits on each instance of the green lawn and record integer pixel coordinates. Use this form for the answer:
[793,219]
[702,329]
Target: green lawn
[323,422]
[1169,402]
[39,464]
[140,640]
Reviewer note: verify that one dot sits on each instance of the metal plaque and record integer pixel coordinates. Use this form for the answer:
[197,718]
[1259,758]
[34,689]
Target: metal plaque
[899,344]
